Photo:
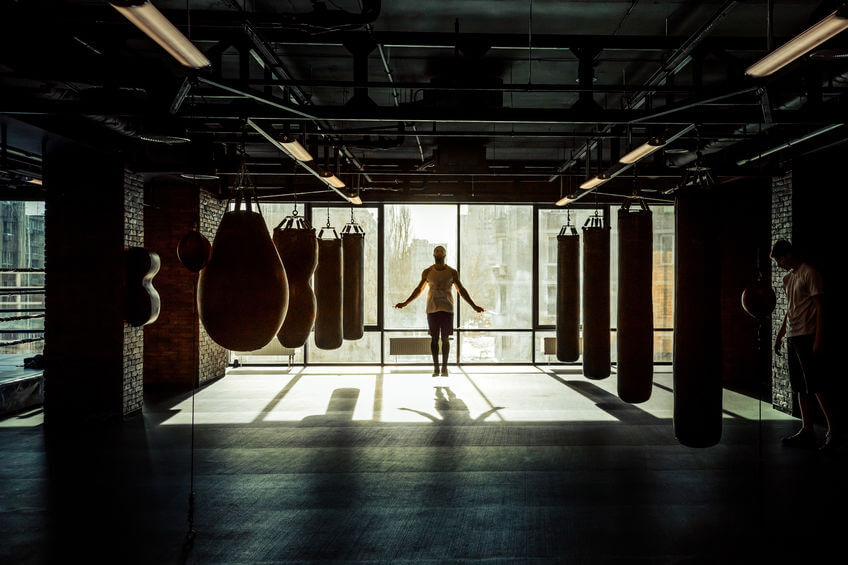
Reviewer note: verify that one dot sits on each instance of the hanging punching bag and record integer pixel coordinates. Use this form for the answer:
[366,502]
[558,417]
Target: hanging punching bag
[353,262]
[635,333]
[295,241]
[242,293]
[697,320]
[328,291]
[194,251]
[568,294]
[596,299]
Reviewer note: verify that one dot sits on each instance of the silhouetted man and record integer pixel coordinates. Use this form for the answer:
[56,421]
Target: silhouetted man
[803,324]
[440,278]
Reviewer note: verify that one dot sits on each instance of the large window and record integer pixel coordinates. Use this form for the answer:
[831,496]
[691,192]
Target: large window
[492,246]
[22,279]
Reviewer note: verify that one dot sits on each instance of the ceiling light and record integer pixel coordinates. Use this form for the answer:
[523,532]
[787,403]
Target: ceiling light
[643,150]
[355,200]
[332,179]
[800,44]
[565,200]
[295,149]
[596,181]
[34,181]
[148,19]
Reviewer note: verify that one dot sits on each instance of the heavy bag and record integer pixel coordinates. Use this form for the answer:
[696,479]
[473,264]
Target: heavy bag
[243,293]
[568,294]
[635,323]
[142,300]
[328,292]
[295,241]
[697,320]
[353,262]
[194,251]
[596,299]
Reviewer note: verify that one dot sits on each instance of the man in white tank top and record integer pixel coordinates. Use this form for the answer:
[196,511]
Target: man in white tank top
[440,278]
[803,326]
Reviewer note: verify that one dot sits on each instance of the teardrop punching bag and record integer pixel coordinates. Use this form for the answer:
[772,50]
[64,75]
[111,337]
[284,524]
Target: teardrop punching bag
[295,241]
[353,262]
[328,291]
[635,312]
[697,320]
[596,299]
[568,294]
[242,294]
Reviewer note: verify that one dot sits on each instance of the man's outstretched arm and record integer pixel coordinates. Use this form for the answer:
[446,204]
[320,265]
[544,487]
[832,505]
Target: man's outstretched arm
[467,297]
[415,292]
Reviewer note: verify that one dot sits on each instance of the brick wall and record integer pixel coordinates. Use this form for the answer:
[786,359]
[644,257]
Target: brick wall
[170,345]
[213,358]
[781,228]
[133,340]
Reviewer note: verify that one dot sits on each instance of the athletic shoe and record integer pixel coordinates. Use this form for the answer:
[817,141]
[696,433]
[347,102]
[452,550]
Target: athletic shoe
[832,442]
[803,438]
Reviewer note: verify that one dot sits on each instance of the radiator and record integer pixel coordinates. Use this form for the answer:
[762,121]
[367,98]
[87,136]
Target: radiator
[409,346]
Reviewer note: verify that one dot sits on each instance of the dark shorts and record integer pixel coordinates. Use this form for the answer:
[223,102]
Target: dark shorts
[440,322]
[805,374]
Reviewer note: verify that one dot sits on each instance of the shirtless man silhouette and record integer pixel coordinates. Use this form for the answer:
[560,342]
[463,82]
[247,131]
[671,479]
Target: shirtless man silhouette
[440,278]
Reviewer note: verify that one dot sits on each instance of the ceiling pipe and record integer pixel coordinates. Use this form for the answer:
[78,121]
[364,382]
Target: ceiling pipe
[267,54]
[679,58]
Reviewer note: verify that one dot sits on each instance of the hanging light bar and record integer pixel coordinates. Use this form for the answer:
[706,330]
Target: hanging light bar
[565,200]
[800,44]
[595,181]
[642,151]
[332,180]
[157,27]
[295,149]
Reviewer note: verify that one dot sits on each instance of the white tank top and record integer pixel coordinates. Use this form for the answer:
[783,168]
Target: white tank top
[440,294]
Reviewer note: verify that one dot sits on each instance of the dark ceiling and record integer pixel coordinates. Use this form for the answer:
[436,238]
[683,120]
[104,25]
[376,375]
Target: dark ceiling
[422,100]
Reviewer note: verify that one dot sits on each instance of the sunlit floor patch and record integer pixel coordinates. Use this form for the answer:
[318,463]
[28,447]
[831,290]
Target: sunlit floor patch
[468,395]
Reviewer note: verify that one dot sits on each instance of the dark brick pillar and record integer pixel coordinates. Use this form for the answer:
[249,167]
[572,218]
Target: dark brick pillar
[213,357]
[781,228]
[177,351]
[93,359]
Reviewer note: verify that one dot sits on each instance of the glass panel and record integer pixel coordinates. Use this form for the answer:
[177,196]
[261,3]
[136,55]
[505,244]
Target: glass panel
[496,268]
[22,247]
[411,232]
[663,346]
[409,359]
[365,350]
[496,347]
[550,222]
[366,217]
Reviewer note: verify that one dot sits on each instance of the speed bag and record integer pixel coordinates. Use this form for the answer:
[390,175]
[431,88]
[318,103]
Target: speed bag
[697,320]
[353,262]
[596,302]
[568,296]
[328,294]
[635,312]
[298,250]
[243,293]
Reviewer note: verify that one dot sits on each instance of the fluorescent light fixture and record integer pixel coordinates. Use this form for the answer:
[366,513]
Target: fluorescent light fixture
[801,44]
[642,151]
[565,200]
[295,149]
[355,200]
[595,181]
[332,179]
[148,19]
[34,181]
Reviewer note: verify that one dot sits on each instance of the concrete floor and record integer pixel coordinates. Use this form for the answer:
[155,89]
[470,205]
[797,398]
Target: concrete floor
[369,465]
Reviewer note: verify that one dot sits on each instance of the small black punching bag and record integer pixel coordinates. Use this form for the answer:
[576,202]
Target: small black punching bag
[568,294]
